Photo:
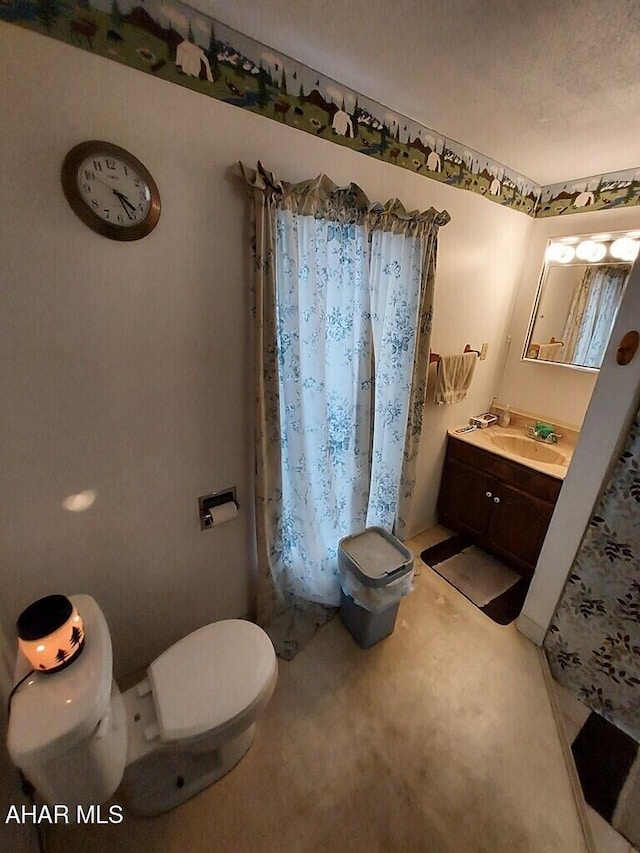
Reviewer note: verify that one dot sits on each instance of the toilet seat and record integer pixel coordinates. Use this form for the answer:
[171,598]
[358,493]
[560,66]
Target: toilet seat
[211,677]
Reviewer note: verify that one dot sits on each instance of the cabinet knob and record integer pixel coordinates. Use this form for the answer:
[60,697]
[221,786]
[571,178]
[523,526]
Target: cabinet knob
[489,495]
[496,500]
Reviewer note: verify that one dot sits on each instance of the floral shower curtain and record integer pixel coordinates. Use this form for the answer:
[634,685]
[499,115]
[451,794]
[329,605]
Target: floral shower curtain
[324,363]
[593,642]
[340,286]
[401,283]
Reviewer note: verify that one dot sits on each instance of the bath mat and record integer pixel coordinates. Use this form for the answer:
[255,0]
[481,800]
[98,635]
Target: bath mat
[495,589]
[608,766]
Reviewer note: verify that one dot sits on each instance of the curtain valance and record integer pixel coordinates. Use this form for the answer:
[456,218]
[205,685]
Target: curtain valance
[322,198]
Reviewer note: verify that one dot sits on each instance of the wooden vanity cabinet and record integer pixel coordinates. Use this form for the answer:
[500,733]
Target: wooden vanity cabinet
[500,505]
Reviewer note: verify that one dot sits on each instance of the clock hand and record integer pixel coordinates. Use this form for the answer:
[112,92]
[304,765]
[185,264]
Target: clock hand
[122,202]
[104,183]
[121,196]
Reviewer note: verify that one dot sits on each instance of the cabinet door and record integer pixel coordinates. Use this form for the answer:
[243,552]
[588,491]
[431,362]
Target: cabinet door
[464,505]
[517,527]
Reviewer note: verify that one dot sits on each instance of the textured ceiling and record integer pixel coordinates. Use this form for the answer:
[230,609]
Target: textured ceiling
[550,88]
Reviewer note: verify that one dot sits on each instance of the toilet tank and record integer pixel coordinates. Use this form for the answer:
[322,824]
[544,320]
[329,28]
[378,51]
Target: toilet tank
[67,730]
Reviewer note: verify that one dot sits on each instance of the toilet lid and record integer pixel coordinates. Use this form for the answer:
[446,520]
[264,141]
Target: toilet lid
[211,676]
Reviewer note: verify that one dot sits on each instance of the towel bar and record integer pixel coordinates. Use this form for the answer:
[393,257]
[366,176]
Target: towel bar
[435,357]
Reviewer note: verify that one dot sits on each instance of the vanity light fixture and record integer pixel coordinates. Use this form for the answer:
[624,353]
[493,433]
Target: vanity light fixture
[50,633]
[560,253]
[591,251]
[625,249]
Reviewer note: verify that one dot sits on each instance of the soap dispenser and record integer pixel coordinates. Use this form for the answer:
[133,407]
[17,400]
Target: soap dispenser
[505,418]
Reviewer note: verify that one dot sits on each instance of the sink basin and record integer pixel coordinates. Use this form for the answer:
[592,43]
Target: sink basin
[529,448]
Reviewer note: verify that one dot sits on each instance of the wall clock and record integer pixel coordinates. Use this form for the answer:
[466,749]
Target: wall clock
[110,190]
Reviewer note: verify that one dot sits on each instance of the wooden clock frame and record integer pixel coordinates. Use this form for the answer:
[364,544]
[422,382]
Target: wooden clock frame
[69,176]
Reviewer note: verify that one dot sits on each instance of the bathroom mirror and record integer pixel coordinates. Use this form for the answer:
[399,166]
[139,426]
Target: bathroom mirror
[581,287]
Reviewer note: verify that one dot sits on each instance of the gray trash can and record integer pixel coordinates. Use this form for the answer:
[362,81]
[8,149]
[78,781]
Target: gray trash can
[376,570]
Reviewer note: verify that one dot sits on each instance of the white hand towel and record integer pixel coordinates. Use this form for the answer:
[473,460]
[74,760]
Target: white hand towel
[551,352]
[455,373]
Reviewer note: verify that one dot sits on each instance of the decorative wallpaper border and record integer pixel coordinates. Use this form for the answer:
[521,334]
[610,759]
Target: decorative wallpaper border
[614,189]
[176,43]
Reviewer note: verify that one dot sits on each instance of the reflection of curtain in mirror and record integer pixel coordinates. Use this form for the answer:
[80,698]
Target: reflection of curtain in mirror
[592,314]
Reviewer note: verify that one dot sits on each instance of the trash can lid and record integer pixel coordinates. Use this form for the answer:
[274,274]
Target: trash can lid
[376,556]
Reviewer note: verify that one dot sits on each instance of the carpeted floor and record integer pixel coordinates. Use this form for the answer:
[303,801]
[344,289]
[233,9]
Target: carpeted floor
[494,588]
[439,739]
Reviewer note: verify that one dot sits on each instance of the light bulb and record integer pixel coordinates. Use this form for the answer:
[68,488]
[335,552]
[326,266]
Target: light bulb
[591,251]
[625,249]
[560,253]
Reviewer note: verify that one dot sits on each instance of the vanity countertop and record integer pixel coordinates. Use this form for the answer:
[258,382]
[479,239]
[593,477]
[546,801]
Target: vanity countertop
[489,438]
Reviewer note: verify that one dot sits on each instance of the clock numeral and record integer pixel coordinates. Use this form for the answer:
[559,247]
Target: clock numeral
[111,164]
[136,181]
[120,218]
[86,188]
[94,203]
[107,213]
[97,165]
[90,176]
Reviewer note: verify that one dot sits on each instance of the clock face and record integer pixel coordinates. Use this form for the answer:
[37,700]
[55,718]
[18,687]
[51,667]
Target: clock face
[114,190]
[110,190]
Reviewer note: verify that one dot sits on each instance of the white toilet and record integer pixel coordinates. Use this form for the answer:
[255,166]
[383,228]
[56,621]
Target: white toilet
[77,738]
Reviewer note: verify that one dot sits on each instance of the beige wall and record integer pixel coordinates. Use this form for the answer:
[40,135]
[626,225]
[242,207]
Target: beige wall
[558,393]
[129,363]
[7,664]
